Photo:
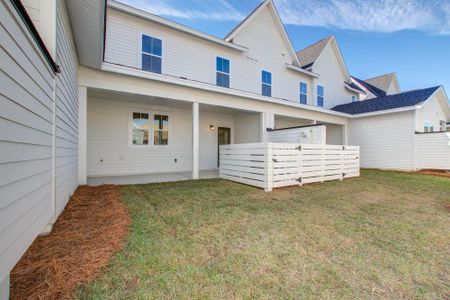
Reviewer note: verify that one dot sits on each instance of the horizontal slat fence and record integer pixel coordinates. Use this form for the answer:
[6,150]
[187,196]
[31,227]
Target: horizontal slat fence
[272,165]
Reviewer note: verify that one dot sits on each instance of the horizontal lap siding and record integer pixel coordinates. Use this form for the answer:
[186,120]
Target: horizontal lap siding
[26,99]
[108,140]
[433,151]
[66,152]
[247,128]
[386,141]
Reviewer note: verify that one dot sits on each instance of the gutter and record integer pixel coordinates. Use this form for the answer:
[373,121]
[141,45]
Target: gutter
[17,4]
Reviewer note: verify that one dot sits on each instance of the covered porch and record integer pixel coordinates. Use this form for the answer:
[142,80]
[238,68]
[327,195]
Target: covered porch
[135,130]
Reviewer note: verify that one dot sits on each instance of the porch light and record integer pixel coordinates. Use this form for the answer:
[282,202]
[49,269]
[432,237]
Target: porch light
[212,128]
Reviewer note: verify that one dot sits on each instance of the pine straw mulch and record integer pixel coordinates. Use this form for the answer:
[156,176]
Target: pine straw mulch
[85,237]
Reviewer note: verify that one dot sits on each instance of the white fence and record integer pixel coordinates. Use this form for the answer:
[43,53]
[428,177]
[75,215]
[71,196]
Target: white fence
[272,165]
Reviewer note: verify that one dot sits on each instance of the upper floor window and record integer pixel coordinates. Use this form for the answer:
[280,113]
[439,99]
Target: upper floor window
[303,93]
[151,54]
[353,98]
[222,72]
[320,95]
[266,80]
[428,127]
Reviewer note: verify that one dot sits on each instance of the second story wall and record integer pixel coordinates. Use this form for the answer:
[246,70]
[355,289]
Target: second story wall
[195,59]
[332,78]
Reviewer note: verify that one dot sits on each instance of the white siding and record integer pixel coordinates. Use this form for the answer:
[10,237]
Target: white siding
[247,128]
[66,111]
[432,111]
[433,151]
[386,141]
[108,140]
[195,59]
[334,135]
[26,100]
[285,123]
[33,8]
[303,135]
[332,77]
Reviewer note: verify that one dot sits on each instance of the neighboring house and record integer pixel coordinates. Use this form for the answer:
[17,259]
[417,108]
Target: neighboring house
[382,85]
[90,100]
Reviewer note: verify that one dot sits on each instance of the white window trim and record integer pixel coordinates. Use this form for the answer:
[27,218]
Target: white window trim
[215,71]
[271,82]
[300,92]
[151,115]
[140,52]
[323,96]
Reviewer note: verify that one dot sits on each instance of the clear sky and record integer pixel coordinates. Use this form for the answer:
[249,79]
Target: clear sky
[410,37]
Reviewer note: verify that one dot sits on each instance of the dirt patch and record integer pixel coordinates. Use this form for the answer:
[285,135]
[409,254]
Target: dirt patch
[88,233]
[440,173]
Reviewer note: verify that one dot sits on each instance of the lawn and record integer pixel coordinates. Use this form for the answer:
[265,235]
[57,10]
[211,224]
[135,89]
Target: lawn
[383,235]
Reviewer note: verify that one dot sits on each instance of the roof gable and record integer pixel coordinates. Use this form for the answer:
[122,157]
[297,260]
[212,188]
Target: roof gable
[388,102]
[370,88]
[310,55]
[277,21]
[385,81]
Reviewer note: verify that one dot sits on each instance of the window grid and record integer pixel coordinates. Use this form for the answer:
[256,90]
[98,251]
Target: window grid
[222,72]
[142,133]
[266,83]
[151,54]
[320,95]
[303,93]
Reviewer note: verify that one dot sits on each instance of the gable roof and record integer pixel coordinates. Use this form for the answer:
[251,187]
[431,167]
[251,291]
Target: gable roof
[387,102]
[372,89]
[384,81]
[311,53]
[269,4]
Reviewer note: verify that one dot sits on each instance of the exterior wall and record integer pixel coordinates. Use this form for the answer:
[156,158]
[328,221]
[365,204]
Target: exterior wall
[433,151]
[334,135]
[26,101]
[66,142]
[304,135]
[386,141]
[290,123]
[195,59]
[33,8]
[332,77]
[432,111]
[247,128]
[108,134]
[136,84]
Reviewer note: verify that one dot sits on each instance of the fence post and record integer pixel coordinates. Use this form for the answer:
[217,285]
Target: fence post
[300,165]
[269,168]
[342,163]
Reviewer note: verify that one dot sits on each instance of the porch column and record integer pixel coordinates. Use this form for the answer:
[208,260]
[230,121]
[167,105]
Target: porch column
[267,120]
[82,133]
[195,138]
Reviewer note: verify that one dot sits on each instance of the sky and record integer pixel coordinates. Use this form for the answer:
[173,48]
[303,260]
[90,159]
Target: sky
[410,37]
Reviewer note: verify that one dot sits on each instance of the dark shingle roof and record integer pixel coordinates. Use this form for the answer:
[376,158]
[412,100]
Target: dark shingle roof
[393,101]
[356,87]
[373,89]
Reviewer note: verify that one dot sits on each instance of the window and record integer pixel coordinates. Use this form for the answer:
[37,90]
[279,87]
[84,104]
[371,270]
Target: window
[141,130]
[354,99]
[151,54]
[320,95]
[428,127]
[140,127]
[266,79]
[303,93]
[443,125]
[222,72]
[160,129]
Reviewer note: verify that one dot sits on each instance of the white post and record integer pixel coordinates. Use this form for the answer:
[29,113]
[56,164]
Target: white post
[195,138]
[269,168]
[267,120]
[82,134]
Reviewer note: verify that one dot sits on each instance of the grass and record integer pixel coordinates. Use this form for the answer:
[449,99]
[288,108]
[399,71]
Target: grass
[383,235]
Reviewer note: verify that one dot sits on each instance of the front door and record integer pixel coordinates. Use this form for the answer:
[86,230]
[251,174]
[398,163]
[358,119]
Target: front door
[224,138]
